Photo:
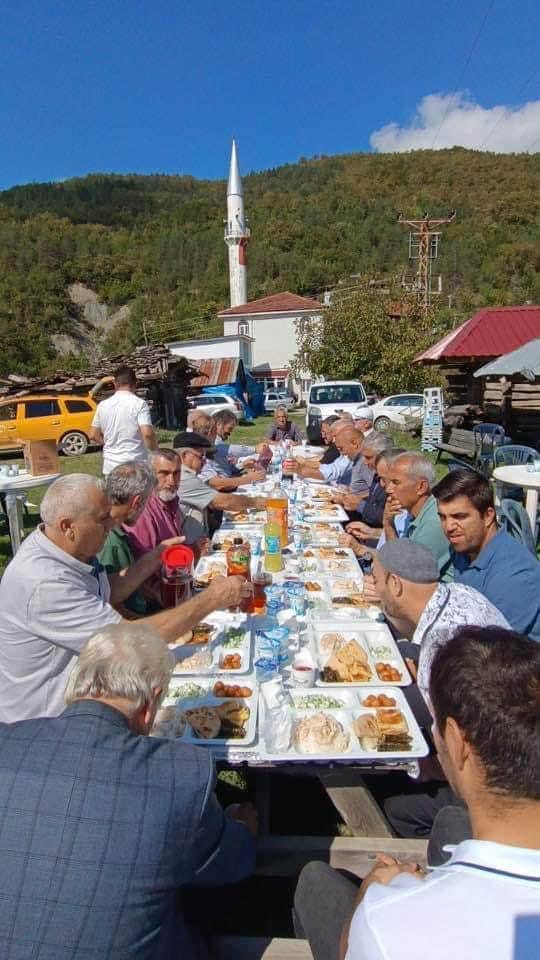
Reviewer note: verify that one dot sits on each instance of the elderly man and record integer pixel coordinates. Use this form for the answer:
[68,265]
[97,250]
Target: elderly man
[483,686]
[54,594]
[338,471]
[368,509]
[411,477]
[113,826]
[331,453]
[123,424]
[161,517]
[217,471]
[128,488]
[226,453]
[197,496]
[363,421]
[485,557]
[283,428]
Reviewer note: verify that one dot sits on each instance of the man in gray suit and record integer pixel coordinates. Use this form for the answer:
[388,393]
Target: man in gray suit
[103,828]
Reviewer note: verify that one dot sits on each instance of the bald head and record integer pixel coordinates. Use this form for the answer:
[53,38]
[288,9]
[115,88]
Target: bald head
[76,513]
[349,441]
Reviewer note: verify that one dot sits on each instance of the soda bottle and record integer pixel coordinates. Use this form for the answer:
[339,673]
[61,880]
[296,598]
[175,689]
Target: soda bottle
[277,510]
[273,562]
[239,564]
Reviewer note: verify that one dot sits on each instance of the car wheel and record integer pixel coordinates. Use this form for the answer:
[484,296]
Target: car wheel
[382,424]
[74,444]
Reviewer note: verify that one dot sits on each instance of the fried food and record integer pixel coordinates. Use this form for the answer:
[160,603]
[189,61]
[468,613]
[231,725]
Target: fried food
[378,701]
[388,673]
[366,729]
[385,732]
[231,661]
[201,633]
[331,642]
[231,690]
[351,600]
[312,586]
[320,733]
[348,665]
[204,721]
[391,721]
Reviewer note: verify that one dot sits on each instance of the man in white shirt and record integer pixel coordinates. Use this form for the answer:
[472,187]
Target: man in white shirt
[484,691]
[123,424]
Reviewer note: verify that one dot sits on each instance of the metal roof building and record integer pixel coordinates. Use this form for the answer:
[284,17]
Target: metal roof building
[490,332]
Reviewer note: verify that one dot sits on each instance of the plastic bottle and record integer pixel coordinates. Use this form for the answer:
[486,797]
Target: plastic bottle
[239,564]
[273,561]
[277,510]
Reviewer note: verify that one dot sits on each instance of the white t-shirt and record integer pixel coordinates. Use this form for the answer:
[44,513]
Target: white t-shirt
[120,418]
[471,907]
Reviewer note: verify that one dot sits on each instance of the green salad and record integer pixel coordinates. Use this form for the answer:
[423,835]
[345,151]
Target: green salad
[187,690]
[316,701]
[233,637]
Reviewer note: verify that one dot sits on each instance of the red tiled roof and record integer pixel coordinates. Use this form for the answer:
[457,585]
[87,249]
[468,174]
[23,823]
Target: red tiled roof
[276,303]
[490,332]
[215,373]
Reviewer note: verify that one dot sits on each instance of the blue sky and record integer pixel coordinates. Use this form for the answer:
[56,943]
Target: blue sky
[162,85]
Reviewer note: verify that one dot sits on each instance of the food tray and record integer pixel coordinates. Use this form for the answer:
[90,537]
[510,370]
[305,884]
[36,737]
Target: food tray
[317,511]
[345,715]
[208,700]
[218,648]
[229,532]
[183,688]
[338,587]
[208,567]
[372,637]
[243,518]
[321,532]
[333,561]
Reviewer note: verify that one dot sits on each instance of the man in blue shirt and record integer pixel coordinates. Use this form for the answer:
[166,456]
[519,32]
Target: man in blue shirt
[485,557]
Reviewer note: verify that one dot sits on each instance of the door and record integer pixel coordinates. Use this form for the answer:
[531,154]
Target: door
[9,431]
[42,420]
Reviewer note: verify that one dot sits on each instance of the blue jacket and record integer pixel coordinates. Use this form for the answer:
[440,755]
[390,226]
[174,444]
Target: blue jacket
[99,828]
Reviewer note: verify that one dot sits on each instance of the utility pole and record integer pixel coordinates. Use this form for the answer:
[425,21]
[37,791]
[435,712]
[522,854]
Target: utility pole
[424,240]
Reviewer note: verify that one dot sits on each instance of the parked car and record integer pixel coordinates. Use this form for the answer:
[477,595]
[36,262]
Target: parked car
[397,410]
[277,398]
[66,419]
[213,402]
[329,398]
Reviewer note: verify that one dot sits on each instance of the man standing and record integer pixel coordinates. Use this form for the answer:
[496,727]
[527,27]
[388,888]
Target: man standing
[112,825]
[196,496]
[283,428]
[123,424]
[485,557]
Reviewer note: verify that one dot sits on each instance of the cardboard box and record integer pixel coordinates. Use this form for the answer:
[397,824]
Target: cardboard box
[41,457]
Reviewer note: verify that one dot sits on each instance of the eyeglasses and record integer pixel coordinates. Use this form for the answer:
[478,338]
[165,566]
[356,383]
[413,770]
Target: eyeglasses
[199,454]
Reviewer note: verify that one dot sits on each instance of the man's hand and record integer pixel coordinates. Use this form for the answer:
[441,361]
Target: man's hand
[155,554]
[254,476]
[263,449]
[370,591]
[391,508]
[359,530]
[260,502]
[244,813]
[202,546]
[228,591]
[384,872]
[345,540]
[351,501]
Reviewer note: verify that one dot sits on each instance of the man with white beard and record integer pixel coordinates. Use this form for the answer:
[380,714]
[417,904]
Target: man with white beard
[161,518]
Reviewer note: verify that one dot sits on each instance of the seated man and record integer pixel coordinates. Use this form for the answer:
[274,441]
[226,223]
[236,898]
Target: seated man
[350,442]
[196,496]
[484,691]
[368,509]
[54,594]
[331,453]
[371,535]
[128,487]
[406,575]
[119,824]
[217,471]
[411,477]
[338,470]
[161,517]
[228,453]
[363,421]
[283,428]
[485,557]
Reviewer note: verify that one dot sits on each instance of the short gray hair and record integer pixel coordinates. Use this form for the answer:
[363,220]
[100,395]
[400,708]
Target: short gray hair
[222,417]
[378,443]
[281,406]
[125,661]
[166,452]
[129,480]
[418,466]
[198,416]
[68,497]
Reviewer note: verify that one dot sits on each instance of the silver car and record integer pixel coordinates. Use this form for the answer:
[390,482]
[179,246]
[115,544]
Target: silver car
[277,398]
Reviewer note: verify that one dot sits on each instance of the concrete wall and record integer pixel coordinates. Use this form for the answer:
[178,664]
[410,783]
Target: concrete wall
[214,349]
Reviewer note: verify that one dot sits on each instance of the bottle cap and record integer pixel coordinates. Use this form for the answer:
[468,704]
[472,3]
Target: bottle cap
[238,540]
[178,556]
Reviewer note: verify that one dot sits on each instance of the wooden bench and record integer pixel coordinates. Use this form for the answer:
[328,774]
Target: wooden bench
[281,856]
[462,443]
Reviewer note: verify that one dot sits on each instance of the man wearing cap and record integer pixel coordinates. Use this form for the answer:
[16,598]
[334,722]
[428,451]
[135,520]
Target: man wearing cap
[196,496]
[363,420]
[405,575]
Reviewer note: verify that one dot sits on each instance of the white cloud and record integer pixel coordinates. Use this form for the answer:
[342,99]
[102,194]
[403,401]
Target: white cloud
[453,120]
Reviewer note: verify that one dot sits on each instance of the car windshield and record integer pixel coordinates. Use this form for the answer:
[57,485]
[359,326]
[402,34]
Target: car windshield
[338,393]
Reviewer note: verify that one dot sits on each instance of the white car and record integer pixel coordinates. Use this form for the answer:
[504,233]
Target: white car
[397,410]
[329,398]
[213,402]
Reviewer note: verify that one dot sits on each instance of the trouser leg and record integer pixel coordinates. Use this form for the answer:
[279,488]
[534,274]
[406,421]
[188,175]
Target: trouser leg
[452,825]
[322,903]
[413,813]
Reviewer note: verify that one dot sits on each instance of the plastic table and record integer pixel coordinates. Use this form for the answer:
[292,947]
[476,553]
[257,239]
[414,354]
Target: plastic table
[13,487]
[519,476]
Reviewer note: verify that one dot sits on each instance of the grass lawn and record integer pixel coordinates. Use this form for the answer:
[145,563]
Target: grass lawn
[249,433]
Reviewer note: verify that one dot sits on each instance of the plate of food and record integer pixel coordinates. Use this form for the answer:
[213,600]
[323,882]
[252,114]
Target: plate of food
[210,721]
[321,532]
[223,539]
[209,567]
[351,731]
[316,511]
[333,561]
[228,651]
[247,517]
[355,654]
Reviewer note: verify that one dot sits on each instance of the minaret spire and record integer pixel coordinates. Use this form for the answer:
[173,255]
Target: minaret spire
[237,233]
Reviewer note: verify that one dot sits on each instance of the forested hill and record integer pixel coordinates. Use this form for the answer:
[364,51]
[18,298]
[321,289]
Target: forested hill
[156,242]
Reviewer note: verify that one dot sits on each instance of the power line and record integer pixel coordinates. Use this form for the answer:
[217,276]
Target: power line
[490,6]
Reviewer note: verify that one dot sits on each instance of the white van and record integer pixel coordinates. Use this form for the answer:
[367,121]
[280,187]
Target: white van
[332,397]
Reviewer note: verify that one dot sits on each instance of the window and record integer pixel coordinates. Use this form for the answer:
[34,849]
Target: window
[8,411]
[243,328]
[77,406]
[42,408]
[332,393]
